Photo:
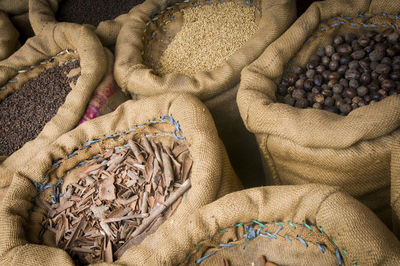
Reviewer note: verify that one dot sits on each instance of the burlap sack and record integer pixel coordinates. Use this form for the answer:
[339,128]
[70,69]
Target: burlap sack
[42,13]
[17,12]
[300,225]
[211,176]
[59,44]
[107,96]
[313,146]
[8,36]
[217,88]
[395,187]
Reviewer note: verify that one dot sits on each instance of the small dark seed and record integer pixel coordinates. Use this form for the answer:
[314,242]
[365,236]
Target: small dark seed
[349,92]
[362,91]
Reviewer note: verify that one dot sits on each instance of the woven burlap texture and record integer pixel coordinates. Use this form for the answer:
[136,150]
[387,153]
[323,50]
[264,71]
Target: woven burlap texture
[42,13]
[314,146]
[211,176]
[134,76]
[18,21]
[8,36]
[55,39]
[353,227]
[395,187]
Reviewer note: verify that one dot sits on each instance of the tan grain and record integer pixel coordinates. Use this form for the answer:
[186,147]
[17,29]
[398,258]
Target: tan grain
[209,36]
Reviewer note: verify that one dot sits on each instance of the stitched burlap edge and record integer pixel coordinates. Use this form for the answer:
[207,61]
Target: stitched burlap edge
[93,63]
[137,78]
[211,176]
[352,226]
[314,146]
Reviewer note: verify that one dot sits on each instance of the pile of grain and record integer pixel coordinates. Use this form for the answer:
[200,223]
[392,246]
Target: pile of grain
[209,36]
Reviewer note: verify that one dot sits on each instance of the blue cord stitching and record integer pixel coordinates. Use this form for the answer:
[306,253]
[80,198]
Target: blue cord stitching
[42,186]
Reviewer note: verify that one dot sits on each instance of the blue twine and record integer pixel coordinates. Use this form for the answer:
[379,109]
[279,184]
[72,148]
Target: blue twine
[226,245]
[93,141]
[361,15]
[321,248]
[287,238]
[339,256]
[249,235]
[205,257]
[302,241]
[177,127]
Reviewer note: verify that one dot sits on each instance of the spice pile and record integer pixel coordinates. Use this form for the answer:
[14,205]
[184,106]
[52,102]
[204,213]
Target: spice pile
[350,73]
[208,37]
[120,198]
[93,11]
[24,113]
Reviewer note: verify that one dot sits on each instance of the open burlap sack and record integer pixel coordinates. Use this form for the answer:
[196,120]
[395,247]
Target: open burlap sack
[217,88]
[43,12]
[314,146]
[62,43]
[299,225]
[211,174]
[395,187]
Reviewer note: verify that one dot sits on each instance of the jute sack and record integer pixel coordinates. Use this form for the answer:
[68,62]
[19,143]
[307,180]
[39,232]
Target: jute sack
[395,187]
[43,12]
[8,33]
[57,45]
[217,88]
[313,146]
[17,12]
[309,224]
[8,36]
[211,174]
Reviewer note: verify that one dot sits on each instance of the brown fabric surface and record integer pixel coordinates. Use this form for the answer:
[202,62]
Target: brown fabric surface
[42,13]
[17,12]
[211,176]
[8,36]
[353,227]
[307,145]
[14,7]
[39,50]
[395,187]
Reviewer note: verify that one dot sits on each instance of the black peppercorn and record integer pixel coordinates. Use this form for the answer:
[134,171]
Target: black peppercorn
[362,91]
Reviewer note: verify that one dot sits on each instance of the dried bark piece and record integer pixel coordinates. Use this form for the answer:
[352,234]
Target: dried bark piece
[154,214]
[107,189]
[225,262]
[147,146]
[178,150]
[119,199]
[136,151]
[108,254]
[168,172]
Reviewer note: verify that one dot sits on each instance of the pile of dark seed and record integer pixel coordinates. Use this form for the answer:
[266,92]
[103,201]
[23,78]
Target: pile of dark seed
[93,11]
[24,113]
[350,73]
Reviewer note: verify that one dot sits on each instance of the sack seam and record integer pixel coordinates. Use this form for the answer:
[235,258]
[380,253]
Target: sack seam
[43,185]
[250,235]
[44,62]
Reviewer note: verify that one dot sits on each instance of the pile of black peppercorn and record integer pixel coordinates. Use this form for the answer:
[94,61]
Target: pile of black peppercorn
[350,73]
